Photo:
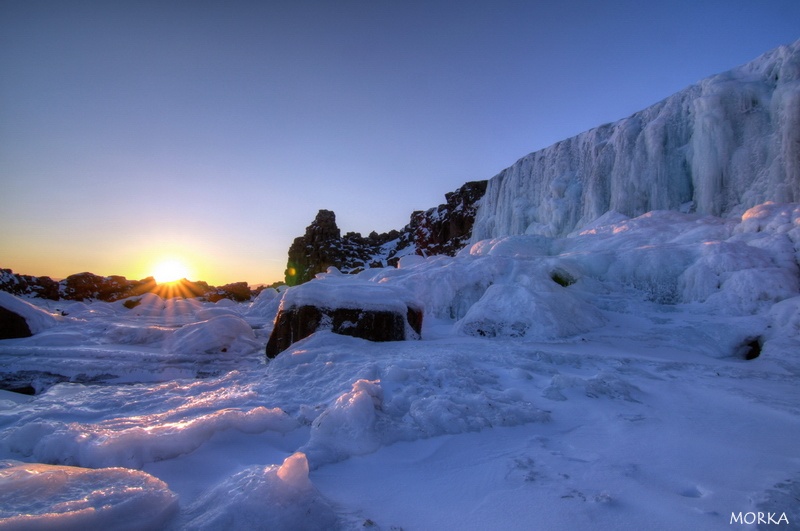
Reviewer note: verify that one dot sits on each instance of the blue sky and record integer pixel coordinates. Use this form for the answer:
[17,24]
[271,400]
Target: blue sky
[213,131]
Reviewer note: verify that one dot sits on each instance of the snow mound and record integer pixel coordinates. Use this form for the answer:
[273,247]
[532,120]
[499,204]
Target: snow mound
[348,427]
[271,497]
[786,317]
[223,334]
[773,217]
[38,320]
[543,310]
[37,497]
[150,305]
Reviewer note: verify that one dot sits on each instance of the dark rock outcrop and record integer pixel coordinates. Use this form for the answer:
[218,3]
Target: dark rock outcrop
[22,285]
[83,286]
[88,286]
[237,291]
[445,229]
[13,325]
[294,324]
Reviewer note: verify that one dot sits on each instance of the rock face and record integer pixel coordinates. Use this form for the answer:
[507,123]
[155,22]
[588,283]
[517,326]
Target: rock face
[441,230]
[719,147]
[447,228]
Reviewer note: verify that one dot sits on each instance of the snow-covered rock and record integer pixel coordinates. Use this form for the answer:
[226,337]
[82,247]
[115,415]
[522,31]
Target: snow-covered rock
[348,306]
[21,318]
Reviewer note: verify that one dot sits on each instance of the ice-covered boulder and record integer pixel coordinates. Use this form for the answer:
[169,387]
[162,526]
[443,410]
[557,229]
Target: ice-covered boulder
[347,306]
[19,318]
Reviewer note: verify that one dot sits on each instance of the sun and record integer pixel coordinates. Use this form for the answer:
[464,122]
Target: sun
[170,270]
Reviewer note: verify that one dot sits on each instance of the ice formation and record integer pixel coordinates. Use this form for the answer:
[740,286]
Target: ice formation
[38,496]
[719,147]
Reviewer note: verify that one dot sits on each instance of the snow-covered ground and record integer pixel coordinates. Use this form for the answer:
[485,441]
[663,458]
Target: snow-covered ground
[596,381]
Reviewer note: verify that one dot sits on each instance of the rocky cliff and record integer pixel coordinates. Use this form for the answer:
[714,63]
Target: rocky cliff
[444,229]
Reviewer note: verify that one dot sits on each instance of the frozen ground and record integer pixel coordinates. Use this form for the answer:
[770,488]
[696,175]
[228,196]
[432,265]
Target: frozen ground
[597,381]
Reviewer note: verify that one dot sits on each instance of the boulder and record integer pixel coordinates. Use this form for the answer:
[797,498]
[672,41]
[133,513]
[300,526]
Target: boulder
[13,325]
[345,306]
[19,318]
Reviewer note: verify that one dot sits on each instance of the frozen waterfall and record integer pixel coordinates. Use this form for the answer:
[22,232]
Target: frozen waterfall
[719,147]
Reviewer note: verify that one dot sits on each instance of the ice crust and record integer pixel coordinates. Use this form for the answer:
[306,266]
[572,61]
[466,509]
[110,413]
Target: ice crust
[39,496]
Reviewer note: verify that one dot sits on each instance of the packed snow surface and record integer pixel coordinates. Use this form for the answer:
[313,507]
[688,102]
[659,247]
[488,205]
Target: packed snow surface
[719,147]
[595,381]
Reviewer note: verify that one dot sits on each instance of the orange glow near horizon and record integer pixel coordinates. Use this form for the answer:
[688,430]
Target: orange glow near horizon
[170,270]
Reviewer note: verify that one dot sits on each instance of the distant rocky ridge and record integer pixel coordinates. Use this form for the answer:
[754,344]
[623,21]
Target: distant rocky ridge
[445,229]
[88,286]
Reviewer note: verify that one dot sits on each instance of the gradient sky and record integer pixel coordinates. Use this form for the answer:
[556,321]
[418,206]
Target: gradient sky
[214,131]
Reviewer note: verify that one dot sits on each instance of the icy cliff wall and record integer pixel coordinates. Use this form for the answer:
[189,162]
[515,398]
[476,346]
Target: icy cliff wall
[719,147]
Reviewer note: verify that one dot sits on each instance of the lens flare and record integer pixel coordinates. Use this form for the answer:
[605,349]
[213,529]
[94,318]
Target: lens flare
[170,271]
